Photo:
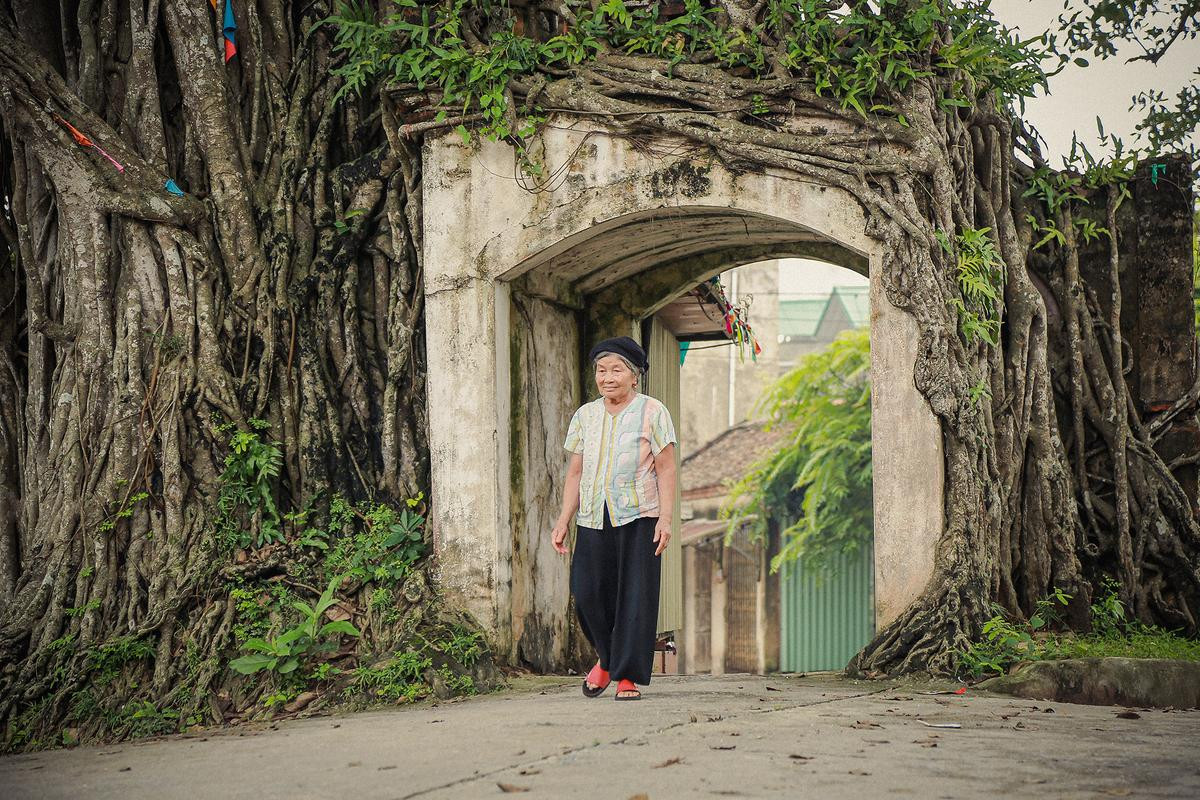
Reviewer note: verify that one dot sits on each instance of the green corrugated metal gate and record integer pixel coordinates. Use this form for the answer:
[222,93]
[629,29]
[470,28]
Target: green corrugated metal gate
[826,616]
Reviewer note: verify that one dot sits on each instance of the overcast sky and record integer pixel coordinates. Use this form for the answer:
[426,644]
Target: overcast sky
[1104,88]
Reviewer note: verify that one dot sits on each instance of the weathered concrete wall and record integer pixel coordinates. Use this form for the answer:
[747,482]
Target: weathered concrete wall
[611,213]
[907,465]
[545,350]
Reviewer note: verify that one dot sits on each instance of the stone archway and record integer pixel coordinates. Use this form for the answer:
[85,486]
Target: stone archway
[518,280]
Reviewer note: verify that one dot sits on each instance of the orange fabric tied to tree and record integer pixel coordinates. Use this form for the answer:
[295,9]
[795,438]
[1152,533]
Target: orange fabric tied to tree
[83,140]
[228,29]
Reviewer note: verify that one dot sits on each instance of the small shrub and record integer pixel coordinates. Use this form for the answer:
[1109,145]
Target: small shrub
[283,653]
[400,678]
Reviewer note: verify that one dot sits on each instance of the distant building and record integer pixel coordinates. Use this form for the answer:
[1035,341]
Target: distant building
[808,325]
[720,388]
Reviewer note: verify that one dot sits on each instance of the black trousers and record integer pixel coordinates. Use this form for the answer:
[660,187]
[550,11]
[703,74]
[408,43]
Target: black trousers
[614,578]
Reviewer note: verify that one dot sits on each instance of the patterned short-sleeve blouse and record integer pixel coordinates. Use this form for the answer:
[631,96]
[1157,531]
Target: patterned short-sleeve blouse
[618,459]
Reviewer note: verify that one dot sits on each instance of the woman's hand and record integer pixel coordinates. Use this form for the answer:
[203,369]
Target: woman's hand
[559,537]
[662,534]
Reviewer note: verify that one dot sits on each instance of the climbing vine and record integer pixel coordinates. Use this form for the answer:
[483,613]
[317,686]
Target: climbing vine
[861,59]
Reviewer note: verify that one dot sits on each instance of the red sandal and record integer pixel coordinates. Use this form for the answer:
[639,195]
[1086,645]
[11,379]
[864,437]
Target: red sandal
[599,681]
[627,686]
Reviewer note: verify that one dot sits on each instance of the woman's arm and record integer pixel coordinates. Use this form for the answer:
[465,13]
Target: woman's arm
[570,503]
[664,469]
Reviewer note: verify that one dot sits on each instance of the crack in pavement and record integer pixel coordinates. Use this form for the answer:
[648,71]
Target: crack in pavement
[595,745]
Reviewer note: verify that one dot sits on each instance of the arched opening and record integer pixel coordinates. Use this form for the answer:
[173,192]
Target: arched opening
[624,276]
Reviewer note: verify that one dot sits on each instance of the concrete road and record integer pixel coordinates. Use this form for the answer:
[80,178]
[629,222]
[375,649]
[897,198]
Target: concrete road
[730,736]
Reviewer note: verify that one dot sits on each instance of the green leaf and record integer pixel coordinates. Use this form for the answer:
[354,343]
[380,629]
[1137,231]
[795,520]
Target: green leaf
[339,627]
[288,666]
[248,665]
[287,637]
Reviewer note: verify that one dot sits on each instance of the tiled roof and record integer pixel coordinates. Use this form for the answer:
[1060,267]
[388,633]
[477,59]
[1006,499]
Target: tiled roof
[727,458]
[857,303]
[801,317]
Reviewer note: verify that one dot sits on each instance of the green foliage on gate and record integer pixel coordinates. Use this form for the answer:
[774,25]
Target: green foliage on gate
[859,58]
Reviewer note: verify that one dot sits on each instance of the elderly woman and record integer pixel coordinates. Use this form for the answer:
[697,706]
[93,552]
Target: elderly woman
[621,481]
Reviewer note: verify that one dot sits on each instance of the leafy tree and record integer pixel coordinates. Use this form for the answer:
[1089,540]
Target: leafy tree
[824,404]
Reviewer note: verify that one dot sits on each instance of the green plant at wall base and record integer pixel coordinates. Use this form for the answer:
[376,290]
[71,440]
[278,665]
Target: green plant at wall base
[400,678]
[462,645]
[283,653]
[1005,643]
[251,613]
[144,718]
[247,496]
[109,659]
[385,548]
[824,462]
[456,684]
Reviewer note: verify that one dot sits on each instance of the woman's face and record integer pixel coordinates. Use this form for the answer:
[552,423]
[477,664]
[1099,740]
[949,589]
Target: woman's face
[614,378]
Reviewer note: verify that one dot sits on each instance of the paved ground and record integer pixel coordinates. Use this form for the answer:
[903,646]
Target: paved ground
[732,736]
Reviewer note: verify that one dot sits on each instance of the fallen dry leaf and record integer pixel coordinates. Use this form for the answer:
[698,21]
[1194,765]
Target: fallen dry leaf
[301,701]
[670,762]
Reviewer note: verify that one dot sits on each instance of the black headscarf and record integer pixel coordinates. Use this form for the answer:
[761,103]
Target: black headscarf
[622,346]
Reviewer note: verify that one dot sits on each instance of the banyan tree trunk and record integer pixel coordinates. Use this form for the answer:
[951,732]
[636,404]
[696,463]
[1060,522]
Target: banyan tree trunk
[188,247]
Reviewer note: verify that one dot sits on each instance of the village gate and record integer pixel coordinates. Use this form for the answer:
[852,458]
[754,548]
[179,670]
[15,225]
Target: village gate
[522,275]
